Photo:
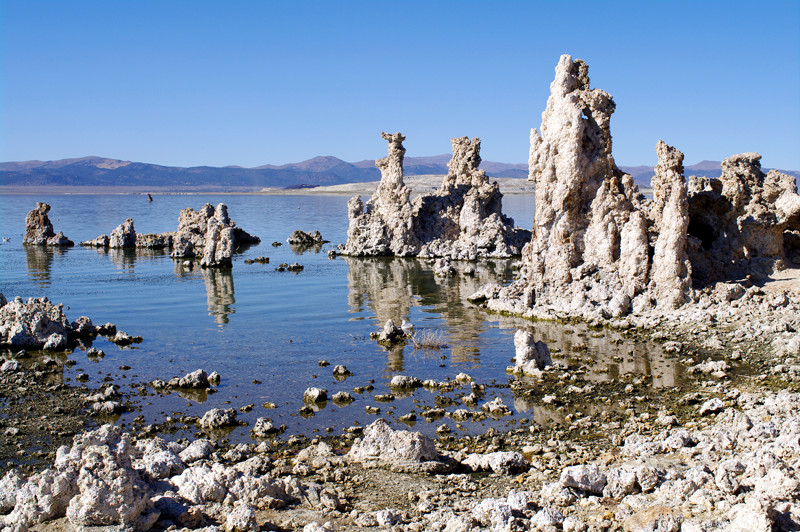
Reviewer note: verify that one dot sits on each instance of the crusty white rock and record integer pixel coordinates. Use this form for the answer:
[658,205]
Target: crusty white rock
[463,220]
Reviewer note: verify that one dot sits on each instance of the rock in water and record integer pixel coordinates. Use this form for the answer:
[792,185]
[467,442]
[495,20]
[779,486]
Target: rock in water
[197,232]
[39,229]
[218,248]
[463,220]
[123,236]
[301,238]
[531,355]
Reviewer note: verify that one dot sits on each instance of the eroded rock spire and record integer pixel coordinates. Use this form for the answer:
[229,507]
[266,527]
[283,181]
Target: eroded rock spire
[601,250]
[462,220]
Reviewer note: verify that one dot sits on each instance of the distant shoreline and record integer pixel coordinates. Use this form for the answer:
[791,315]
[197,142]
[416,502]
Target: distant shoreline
[422,184]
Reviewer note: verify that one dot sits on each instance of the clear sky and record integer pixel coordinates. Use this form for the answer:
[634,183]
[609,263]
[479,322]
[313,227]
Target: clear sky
[249,83]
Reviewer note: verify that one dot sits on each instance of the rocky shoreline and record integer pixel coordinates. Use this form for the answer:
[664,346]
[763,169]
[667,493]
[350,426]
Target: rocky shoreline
[722,454]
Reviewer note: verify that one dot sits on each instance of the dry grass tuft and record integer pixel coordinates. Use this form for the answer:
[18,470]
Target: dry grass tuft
[428,339]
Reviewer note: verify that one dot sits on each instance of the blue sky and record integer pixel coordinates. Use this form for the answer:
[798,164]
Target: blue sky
[250,83]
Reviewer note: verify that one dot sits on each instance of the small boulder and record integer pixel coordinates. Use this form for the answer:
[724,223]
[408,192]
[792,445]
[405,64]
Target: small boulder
[218,418]
[586,478]
[315,395]
[712,406]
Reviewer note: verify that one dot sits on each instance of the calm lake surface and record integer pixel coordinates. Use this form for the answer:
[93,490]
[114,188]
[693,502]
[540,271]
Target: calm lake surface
[253,323]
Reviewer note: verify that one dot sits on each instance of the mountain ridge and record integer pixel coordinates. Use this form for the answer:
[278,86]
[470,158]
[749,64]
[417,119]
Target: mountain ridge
[321,170]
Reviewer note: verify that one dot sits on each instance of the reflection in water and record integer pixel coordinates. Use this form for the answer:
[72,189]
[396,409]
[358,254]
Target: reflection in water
[390,287]
[219,292]
[125,259]
[604,355]
[39,260]
[299,249]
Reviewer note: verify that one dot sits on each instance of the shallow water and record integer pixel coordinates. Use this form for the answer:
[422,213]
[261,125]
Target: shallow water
[264,331]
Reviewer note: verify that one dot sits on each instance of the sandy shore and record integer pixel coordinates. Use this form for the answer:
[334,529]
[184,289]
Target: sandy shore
[419,184]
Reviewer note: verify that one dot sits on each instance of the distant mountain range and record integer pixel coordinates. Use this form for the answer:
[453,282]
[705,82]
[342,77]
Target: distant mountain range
[319,171]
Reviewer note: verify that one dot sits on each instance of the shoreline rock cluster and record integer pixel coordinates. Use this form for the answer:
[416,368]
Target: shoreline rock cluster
[40,325]
[208,233]
[736,469]
[462,220]
[600,250]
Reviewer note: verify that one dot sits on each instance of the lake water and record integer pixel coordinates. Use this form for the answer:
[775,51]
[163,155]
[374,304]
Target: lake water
[264,331]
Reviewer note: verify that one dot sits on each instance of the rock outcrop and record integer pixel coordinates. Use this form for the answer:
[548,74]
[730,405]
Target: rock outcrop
[218,247]
[92,483]
[39,229]
[39,324]
[463,220]
[104,480]
[211,232]
[743,223]
[123,236]
[601,250]
[207,233]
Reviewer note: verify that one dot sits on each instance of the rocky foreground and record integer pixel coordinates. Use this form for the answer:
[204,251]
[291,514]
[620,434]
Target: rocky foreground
[737,469]
[723,456]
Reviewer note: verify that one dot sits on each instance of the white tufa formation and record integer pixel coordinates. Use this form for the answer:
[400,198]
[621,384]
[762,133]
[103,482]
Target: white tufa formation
[601,250]
[462,220]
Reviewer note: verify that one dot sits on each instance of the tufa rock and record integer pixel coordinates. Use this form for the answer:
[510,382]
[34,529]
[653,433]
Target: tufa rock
[398,450]
[742,223]
[462,220]
[34,324]
[217,418]
[531,355]
[39,229]
[301,238]
[601,250]
[123,236]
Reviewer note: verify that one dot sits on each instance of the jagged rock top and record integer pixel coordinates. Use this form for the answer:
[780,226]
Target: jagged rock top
[39,229]
[601,250]
[463,220]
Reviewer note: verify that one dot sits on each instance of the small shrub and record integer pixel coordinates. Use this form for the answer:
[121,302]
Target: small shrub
[428,339]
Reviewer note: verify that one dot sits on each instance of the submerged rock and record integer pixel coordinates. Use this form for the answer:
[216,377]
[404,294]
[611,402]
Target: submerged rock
[39,229]
[463,220]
